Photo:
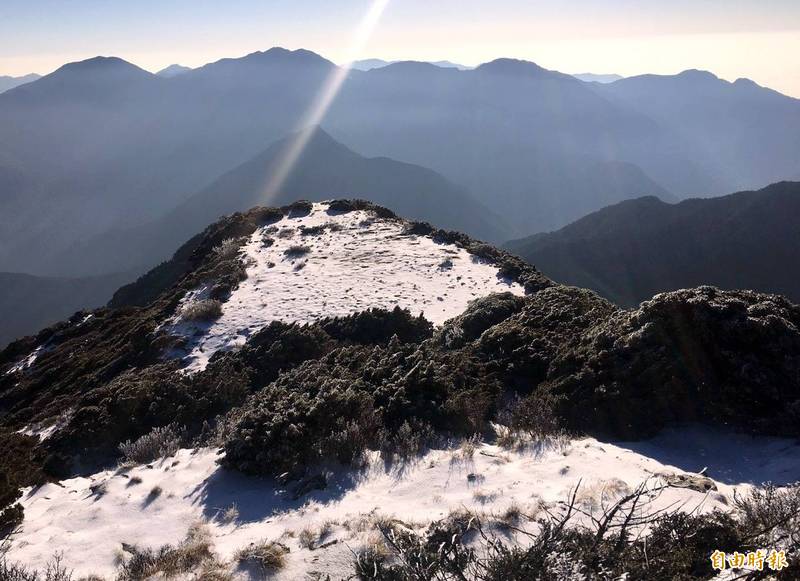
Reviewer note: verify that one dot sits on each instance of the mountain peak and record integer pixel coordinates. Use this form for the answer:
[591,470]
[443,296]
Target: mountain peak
[698,75]
[173,70]
[7,83]
[409,67]
[517,67]
[279,54]
[276,56]
[100,63]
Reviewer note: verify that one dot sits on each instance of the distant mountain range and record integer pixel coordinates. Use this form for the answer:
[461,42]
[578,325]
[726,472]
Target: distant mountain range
[103,146]
[7,83]
[632,250]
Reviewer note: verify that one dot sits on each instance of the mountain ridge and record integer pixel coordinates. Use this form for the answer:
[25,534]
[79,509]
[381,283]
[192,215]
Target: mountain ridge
[325,169]
[261,367]
[637,248]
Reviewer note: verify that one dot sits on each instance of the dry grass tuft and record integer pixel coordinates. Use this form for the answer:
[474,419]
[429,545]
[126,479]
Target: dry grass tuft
[297,250]
[168,561]
[204,310]
[267,556]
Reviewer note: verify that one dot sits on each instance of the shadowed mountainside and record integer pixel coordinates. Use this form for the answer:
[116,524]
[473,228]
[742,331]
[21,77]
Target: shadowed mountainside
[630,251]
[30,303]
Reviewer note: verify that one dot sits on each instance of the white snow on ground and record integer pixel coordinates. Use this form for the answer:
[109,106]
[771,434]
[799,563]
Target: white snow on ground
[26,362]
[44,431]
[89,518]
[362,262]
[30,359]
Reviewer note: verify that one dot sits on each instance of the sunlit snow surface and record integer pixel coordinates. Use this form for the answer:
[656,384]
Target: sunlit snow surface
[89,518]
[356,263]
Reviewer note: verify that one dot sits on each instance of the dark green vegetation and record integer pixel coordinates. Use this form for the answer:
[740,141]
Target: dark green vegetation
[464,546]
[294,394]
[631,251]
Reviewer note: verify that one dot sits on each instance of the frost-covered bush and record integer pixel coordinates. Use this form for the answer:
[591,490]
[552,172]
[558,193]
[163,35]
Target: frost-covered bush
[390,398]
[142,399]
[533,415]
[676,545]
[158,443]
[282,430]
[376,326]
[279,347]
[407,442]
[54,570]
[228,249]
[168,561]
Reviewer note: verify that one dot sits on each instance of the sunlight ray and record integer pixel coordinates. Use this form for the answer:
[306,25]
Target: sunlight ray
[330,89]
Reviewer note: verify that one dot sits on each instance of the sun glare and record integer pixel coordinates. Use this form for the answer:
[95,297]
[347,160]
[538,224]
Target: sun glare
[322,103]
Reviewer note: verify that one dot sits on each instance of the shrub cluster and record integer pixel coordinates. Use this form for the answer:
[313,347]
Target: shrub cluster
[675,545]
[363,396]
[160,442]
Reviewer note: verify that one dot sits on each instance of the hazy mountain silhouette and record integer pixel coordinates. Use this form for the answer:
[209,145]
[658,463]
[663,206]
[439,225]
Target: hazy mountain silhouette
[109,145]
[103,145]
[537,146]
[30,303]
[595,78]
[632,250]
[326,170]
[369,64]
[451,65]
[7,83]
[743,135]
[173,71]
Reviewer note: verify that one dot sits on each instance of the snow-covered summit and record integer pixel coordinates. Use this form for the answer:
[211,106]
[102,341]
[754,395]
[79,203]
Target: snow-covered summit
[325,263]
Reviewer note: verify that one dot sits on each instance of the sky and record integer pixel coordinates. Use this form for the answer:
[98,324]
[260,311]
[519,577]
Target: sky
[757,39]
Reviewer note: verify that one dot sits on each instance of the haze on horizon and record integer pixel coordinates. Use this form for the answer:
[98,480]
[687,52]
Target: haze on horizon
[732,38]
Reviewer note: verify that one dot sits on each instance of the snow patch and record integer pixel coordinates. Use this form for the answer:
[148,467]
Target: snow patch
[345,264]
[26,362]
[43,431]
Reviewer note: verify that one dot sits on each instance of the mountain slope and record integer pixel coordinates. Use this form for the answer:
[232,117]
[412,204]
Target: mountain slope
[104,121]
[744,134]
[276,350]
[632,250]
[30,303]
[538,145]
[325,167]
